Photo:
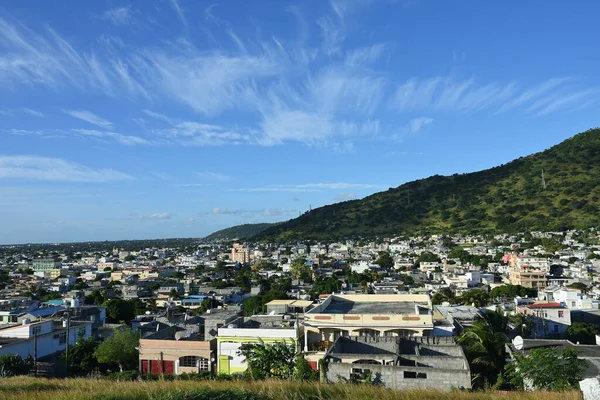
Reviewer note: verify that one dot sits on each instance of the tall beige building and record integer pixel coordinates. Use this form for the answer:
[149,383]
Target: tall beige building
[240,253]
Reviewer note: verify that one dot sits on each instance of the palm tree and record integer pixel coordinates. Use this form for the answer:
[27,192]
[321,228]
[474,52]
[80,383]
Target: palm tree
[485,350]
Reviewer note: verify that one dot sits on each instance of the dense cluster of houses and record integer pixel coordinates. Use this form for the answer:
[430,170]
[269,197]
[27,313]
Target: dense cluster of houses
[385,326]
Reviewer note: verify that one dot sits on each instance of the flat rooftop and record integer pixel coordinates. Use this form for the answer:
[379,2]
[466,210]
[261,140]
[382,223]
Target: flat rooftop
[371,307]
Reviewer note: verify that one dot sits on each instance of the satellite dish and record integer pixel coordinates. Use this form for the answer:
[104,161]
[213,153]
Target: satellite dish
[518,343]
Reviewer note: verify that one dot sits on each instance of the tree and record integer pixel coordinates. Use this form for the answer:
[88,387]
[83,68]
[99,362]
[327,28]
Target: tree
[118,310]
[121,349]
[407,279]
[443,295]
[302,369]
[477,297]
[582,332]
[485,351]
[512,291]
[97,297]
[325,285]
[385,261]
[14,364]
[578,285]
[253,305]
[427,256]
[300,270]
[129,258]
[82,359]
[275,360]
[546,369]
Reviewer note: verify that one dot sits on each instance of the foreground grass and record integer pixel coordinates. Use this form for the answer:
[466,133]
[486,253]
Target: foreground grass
[23,388]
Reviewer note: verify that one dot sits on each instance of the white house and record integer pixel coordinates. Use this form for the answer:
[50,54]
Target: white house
[51,337]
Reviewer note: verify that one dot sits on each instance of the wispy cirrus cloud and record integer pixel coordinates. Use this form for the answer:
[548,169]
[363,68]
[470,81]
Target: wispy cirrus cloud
[122,139]
[311,187]
[14,112]
[118,15]
[266,212]
[89,117]
[213,176]
[177,8]
[451,95]
[55,169]
[33,113]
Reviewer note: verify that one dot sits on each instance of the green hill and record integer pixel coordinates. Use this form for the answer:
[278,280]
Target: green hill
[241,232]
[508,198]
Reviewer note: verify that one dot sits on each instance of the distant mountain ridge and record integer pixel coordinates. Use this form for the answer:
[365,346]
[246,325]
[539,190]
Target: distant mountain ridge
[241,232]
[555,189]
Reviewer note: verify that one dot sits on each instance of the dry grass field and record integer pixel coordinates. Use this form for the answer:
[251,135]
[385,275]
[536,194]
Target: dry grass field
[25,388]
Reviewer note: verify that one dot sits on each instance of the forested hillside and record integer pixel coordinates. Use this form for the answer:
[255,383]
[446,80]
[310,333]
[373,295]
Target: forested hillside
[508,198]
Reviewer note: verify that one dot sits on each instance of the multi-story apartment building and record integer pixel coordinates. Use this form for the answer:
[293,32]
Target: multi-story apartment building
[368,315]
[528,277]
[240,253]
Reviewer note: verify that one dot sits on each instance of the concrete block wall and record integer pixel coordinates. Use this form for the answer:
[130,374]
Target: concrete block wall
[393,377]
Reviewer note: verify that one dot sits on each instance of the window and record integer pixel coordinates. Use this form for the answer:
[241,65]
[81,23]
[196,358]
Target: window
[194,362]
[555,328]
[36,330]
[359,374]
[203,364]
[414,375]
[573,304]
[561,314]
[188,361]
[62,338]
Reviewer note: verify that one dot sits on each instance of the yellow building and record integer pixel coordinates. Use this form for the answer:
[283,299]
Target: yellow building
[368,315]
[231,338]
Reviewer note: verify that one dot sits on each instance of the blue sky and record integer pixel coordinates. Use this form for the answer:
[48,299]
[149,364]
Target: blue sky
[174,118]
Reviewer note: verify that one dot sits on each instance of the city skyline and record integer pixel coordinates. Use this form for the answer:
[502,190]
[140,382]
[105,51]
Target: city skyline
[130,120]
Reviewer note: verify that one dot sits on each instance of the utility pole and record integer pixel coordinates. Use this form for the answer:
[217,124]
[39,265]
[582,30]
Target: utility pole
[68,334]
[35,365]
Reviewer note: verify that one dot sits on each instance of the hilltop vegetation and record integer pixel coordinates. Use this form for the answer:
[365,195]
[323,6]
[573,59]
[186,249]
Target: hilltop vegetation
[509,198]
[241,232]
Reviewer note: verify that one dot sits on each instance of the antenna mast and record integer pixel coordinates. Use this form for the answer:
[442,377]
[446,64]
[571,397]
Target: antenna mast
[543,181]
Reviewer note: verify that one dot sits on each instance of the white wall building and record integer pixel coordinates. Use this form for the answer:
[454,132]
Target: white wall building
[51,337]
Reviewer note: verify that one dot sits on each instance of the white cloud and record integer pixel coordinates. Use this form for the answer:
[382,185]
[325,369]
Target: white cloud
[344,197]
[162,175]
[164,215]
[192,184]
[448,94]
[89,117]
[33,113]
[311,187]
[179,12]
[213,176]
[46,59]
[267,212]
[54,169]
[364,55]
[123,139]
[220,211]
[416,124]
[118,15]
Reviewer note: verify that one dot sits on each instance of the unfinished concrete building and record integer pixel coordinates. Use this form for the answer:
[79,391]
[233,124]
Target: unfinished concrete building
[399,363]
